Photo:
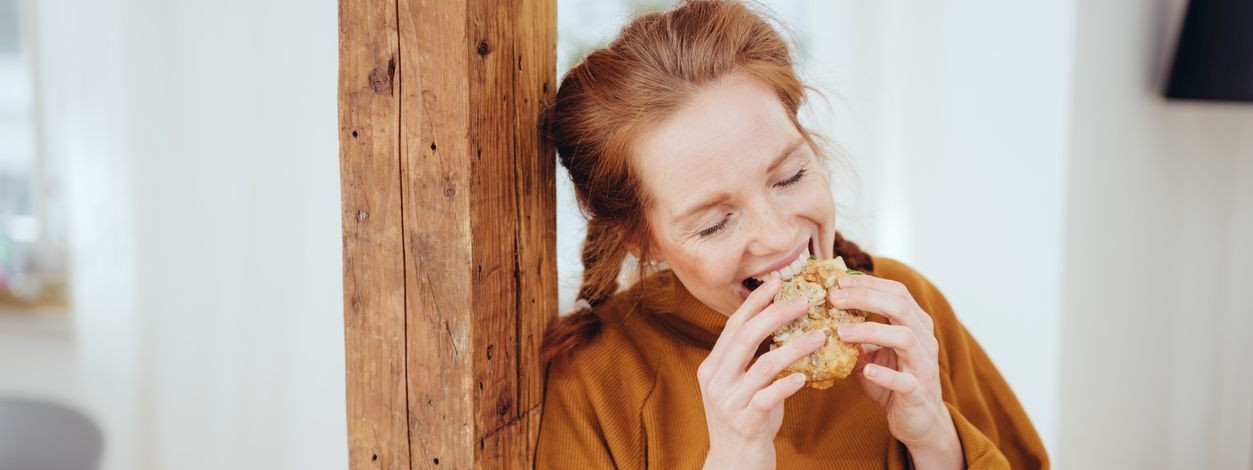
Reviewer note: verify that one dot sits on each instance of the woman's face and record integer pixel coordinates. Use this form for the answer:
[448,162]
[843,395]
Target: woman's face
[737,192]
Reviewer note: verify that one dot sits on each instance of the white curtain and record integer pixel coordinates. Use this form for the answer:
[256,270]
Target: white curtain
[199,141]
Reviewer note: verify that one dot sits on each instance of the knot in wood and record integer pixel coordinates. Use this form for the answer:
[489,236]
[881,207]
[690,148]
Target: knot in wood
[381,78]
[503,405]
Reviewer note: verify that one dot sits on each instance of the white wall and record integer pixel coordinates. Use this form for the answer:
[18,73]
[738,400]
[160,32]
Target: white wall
[1157,306]
[199,142]
[1090,234]
[955,116]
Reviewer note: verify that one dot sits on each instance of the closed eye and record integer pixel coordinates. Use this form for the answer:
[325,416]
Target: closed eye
[715,228]
[708,231]
[791,180]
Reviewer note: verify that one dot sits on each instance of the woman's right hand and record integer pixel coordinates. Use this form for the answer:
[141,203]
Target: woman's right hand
[743,404]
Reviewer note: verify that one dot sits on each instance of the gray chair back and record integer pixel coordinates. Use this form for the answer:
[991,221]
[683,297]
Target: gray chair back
[38,435]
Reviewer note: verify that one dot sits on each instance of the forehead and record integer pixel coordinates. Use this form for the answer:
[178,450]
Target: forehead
[726,135]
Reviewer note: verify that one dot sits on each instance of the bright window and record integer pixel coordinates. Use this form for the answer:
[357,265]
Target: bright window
[32,261]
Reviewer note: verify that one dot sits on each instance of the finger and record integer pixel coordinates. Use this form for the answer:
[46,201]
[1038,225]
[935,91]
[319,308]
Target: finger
[890,287]
[883,357]
[869,354]
[771,364]
[746,341]
[905,385]
[901,339]
[899,310]
[757,300]
[872,282]
[768,398]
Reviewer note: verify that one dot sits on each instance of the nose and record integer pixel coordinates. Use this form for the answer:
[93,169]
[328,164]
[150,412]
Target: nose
[771,233]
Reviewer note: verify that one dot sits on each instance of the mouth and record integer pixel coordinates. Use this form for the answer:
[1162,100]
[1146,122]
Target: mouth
[790,268]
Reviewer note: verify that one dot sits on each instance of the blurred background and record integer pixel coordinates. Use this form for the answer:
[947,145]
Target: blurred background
[170,259]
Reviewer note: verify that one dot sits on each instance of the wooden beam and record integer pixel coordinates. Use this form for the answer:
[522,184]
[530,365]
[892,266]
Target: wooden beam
[449,228]
[374,313]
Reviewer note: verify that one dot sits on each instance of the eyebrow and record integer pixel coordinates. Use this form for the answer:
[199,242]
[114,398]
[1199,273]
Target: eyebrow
[722,196]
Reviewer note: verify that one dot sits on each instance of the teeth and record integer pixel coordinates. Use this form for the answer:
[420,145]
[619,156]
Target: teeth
[790,270]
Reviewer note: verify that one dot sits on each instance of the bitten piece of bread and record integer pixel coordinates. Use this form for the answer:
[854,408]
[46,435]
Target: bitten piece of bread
[834,359]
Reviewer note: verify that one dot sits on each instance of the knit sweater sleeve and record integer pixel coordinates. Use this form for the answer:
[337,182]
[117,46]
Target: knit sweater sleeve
[994,429]
[570,435]
[992,424]
[592,403]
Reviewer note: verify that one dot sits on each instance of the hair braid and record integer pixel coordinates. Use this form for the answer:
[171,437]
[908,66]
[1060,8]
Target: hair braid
[603,253]
[852,254]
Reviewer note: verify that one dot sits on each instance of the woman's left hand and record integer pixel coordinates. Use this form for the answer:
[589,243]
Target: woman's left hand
[900,367]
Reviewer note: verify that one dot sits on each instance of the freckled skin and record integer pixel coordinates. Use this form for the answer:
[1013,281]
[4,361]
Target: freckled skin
[724,140]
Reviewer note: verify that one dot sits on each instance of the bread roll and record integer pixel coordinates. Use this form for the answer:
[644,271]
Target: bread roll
[834,359]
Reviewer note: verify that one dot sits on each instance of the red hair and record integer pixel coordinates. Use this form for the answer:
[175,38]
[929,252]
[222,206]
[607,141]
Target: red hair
[655,65]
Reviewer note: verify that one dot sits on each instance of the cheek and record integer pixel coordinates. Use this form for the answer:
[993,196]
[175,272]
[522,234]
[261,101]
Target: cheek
[817,200]
[719,270]
[707,267]
[810,201]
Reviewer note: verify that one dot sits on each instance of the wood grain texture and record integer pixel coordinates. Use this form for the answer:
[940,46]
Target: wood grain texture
[438,240]
[494,220]
[374,316]
[535,87]
[476,230]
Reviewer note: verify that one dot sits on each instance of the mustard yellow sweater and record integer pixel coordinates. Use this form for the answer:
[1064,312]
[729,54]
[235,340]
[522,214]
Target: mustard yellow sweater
[629,399]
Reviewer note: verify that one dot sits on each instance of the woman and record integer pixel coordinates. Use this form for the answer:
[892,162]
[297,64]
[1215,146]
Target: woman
[682,140]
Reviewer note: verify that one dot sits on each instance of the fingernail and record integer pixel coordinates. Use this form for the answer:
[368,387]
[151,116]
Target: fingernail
[871,370]
[838,294]
[817,336]
[798,303]
[846,330]
[797,378]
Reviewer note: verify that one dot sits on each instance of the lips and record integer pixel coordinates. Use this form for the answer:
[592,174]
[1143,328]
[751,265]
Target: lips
[784,269]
